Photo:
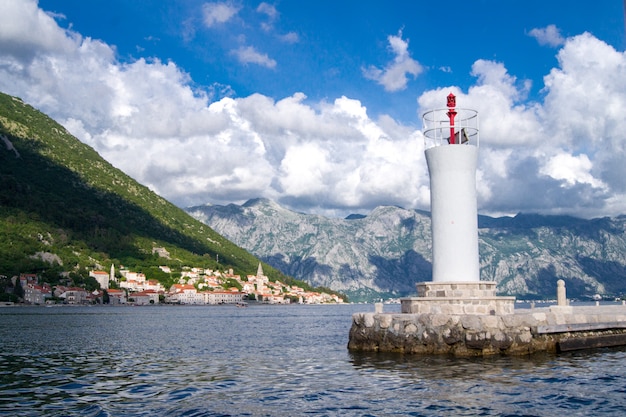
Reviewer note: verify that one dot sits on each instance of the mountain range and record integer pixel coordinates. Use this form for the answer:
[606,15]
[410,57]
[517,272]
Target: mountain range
[384,254]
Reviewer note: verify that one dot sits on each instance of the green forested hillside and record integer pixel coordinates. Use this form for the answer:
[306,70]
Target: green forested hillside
[65,209]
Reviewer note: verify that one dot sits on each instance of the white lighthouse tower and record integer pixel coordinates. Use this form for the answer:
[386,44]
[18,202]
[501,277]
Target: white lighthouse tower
[452,137]
[452,157]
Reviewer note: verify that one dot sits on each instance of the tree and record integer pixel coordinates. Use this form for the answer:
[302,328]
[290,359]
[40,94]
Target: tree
[4,297]
[18,291]
[91,284]
[5,282]
[230,282]
[51,275]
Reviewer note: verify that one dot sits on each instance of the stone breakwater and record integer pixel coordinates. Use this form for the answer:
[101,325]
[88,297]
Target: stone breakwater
[525,331]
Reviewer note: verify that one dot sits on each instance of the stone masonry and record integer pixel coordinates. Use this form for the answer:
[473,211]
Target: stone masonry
[523,332]
[457,298]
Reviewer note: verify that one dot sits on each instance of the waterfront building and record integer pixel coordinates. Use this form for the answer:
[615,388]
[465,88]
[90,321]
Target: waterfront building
[116,296]
[184,294]
[222,297]
[145,297]
[37,294]
[74,295]
[102,277]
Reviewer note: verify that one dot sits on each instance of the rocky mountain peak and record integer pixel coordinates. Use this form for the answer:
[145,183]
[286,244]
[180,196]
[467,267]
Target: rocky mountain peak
[385,253]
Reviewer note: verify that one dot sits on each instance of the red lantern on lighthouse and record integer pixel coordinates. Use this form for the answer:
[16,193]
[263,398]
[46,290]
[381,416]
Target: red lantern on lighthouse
[451,113]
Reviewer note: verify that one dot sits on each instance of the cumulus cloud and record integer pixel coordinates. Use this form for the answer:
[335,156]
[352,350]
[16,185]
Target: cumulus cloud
[557,156]
[571,169]
[550,35]
[216,13]
[563,154]
[249,55]
[393,77]
[26,30]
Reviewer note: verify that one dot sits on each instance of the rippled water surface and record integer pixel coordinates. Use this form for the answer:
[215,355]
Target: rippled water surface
[270,361]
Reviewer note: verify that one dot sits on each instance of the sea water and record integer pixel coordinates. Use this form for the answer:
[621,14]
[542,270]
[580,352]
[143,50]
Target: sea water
[271,361]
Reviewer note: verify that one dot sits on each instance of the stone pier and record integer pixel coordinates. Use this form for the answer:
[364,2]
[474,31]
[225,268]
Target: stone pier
[521,332]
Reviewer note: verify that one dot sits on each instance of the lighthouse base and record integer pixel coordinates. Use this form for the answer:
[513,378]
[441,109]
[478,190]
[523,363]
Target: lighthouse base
[457,298]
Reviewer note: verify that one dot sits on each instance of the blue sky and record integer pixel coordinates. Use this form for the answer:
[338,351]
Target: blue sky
[317,104]
[321,47]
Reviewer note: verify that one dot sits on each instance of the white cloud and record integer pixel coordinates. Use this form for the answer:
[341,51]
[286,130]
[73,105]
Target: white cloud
[571,169]
[304,168]
[289,37]
[563,154]
[215,13]
[550,35]
[249,55]
[273,15]
[25,30]
[394,76]
[268,10]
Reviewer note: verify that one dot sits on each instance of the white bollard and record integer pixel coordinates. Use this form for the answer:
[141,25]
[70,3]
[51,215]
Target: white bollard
[561,298]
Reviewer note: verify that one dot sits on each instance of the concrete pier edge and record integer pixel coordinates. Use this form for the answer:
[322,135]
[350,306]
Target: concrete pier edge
[525,331]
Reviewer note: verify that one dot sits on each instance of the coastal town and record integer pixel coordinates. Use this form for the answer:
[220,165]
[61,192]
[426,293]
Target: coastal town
[196,286]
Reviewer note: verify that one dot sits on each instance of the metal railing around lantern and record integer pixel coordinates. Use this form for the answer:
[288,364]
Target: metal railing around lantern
[442,129]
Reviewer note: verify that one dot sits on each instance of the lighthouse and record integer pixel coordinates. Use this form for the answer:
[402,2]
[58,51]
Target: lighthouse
[451,136]
[451,155]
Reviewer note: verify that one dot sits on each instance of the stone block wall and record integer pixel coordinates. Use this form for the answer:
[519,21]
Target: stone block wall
[456,289]
[478,335]
[457,298]
[481,306]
